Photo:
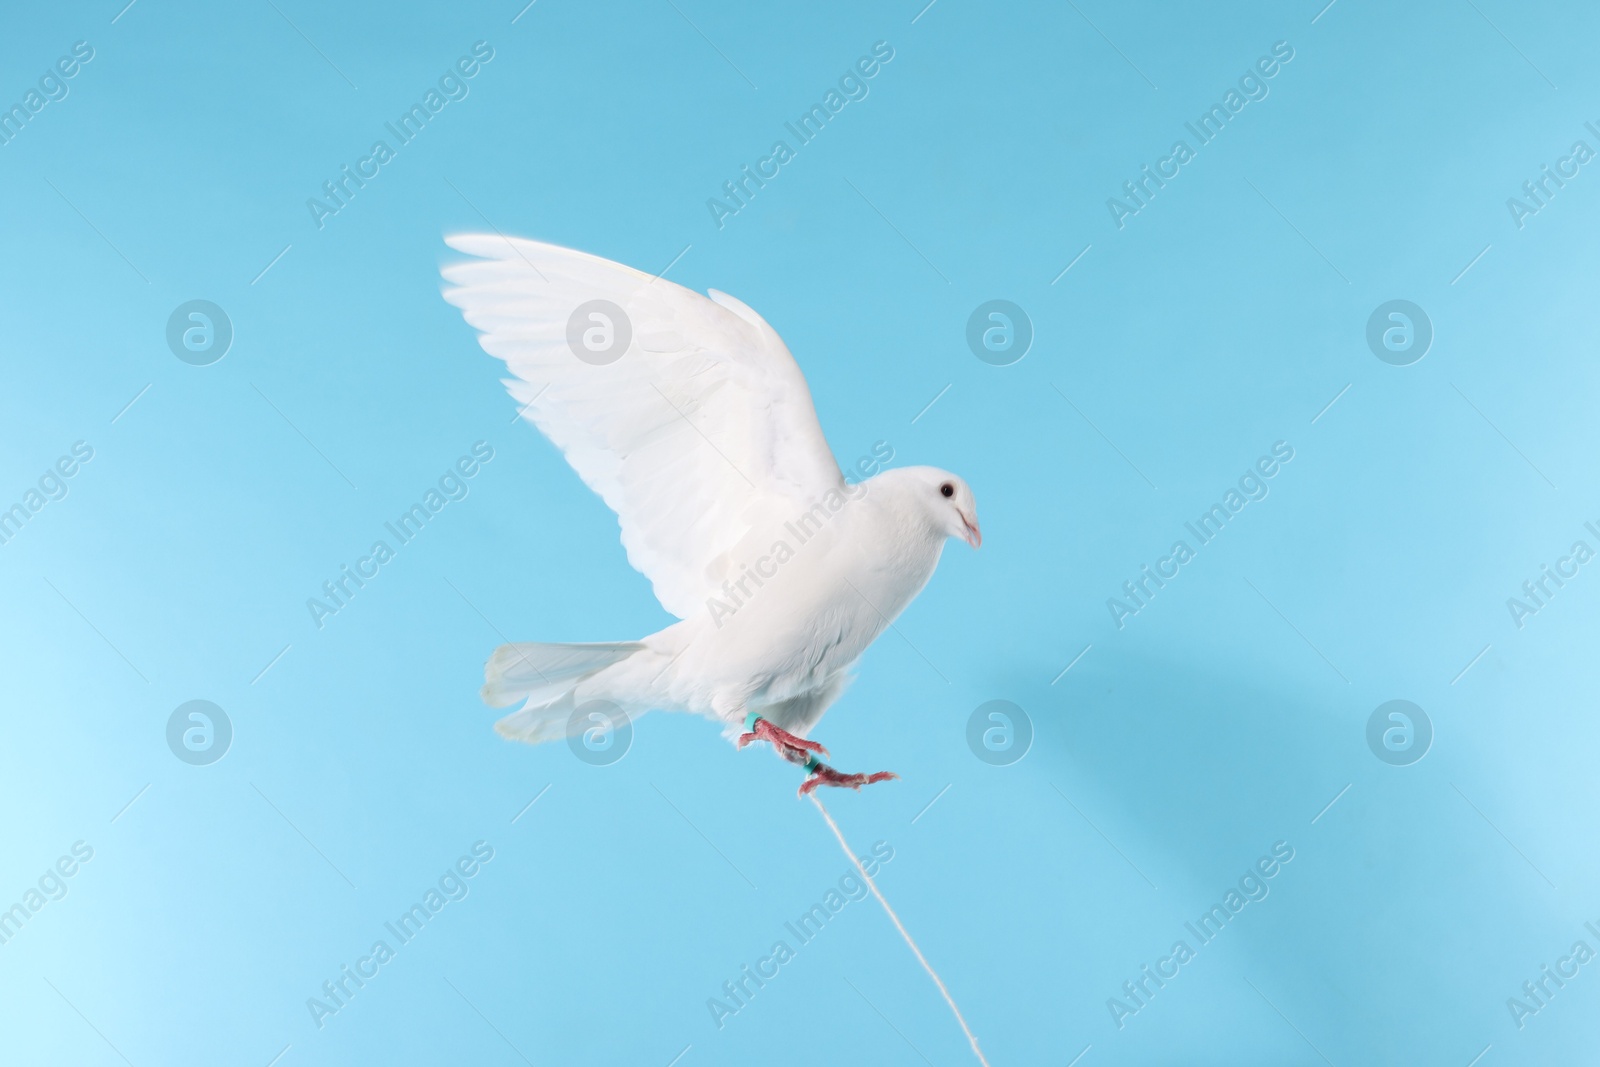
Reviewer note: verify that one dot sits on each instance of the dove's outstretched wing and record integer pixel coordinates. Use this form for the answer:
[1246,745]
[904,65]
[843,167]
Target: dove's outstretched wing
[699,430]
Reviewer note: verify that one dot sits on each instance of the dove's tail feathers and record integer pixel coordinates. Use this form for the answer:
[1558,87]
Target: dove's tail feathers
[546,722]
[542,674]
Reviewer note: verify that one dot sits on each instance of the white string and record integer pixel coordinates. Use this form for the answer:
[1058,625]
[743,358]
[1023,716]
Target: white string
[973,1041]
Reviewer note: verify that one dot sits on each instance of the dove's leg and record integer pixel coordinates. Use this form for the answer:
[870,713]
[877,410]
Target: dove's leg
[803,752]
[822,774]
[762,730]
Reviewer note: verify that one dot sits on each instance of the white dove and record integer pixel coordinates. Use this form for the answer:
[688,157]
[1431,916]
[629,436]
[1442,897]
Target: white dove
[692,421]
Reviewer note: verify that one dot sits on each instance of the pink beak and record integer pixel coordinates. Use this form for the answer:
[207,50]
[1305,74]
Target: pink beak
[973,536]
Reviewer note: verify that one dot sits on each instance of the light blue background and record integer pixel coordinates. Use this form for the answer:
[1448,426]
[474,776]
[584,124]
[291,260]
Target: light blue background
[1221,719]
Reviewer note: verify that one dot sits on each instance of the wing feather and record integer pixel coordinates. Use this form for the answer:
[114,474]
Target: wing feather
[701,431]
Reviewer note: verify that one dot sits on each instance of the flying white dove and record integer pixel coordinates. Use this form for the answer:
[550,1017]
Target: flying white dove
[692,421]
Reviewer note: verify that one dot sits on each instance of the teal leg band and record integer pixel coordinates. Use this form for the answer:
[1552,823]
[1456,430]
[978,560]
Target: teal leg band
[750,720]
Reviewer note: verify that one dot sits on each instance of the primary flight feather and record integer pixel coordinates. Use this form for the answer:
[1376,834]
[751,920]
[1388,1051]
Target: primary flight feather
[690,418]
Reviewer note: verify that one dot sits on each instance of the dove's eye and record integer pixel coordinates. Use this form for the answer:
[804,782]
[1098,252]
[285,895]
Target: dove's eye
[947,489]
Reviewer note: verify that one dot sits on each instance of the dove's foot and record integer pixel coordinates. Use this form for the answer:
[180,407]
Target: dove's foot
[781,739]
[822,774]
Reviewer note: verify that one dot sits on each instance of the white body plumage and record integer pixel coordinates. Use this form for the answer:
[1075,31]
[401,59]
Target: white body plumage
[702,438]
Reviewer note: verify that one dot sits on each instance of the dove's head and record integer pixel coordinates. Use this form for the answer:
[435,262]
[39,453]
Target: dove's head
[947,502]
